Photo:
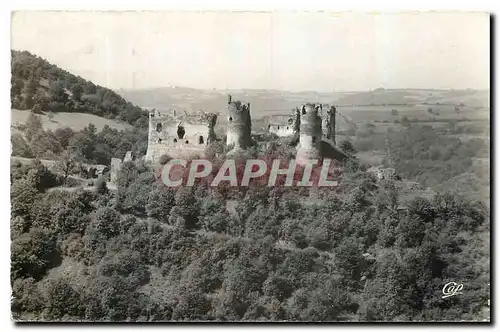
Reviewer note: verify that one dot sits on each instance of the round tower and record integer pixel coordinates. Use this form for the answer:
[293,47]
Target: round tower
[310,132]
[239,124]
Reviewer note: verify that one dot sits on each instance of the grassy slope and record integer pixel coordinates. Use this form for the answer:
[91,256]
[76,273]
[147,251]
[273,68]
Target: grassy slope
[76,121]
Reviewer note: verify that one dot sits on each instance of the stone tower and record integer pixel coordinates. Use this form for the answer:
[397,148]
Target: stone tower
[310,129]
[156,135]
[239,124]
[328,114]
[332,131]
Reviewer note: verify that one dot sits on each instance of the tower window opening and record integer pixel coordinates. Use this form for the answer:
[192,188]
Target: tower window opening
[200,140]
[230,119]
[159,140]
[187,142]
[159,127]
[180,132]
[287,127]
[278,127]
[175,140]
[314,139]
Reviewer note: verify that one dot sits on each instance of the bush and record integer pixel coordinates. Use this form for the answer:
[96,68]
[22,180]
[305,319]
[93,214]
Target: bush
[33,253]
[100,185]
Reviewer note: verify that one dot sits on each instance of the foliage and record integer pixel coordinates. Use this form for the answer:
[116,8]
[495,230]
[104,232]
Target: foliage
[347,146]
[33,253]
[64,92]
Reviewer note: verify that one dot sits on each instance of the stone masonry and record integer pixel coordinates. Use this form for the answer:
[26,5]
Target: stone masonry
[179,134]
[239,124]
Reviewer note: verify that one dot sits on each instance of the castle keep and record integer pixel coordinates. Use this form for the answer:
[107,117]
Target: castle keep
[239,126]
[309,131]
[179,134]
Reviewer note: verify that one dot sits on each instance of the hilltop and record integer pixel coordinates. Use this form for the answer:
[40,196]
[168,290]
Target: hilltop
[43,87]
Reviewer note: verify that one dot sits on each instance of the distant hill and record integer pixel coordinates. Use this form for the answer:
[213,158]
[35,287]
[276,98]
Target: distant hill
[469,97]
[274,102]
[263,102]
[43,87]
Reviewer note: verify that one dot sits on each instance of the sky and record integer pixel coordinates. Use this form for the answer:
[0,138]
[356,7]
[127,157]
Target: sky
[294,51]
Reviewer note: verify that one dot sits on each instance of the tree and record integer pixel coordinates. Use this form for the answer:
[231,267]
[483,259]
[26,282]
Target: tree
[58,93]
[33,253]
[41,102]
[107,222]
[77,92]
[33,126]
[20,147]
[29,94]
[134,197]
[50,115]
[42,176]
[186,210]
[65,164]
[72,215]
[23,194]
[63,299]
[160,201]
[17,86]
[63,136]
[101,186]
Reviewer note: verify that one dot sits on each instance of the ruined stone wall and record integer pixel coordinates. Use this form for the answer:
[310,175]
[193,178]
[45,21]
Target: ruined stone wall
[285,125]
[239,124]
[179,135]
[328,114]
[281,130]
[332,131]
[116,164]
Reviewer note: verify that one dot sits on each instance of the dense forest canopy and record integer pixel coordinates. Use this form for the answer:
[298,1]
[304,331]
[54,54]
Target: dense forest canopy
[147,252]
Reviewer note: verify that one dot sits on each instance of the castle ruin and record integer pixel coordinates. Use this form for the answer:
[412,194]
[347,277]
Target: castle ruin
[179,134]
[310,131]
[187,135]
[287,129]
[239,126]
[314,124]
